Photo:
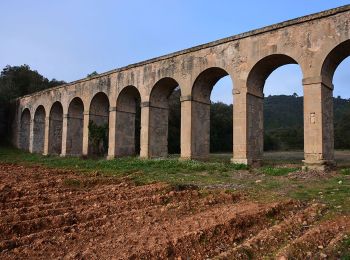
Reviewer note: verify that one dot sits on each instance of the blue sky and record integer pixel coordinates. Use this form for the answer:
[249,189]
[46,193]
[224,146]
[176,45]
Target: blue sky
[68,39]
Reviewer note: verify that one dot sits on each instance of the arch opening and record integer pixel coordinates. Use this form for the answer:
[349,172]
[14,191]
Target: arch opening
[55,128]
[164,118]
[212,125]
[276,109]
[39,130]
[128,124]
[335,68]
[24,138]
[75,124]
[99,125]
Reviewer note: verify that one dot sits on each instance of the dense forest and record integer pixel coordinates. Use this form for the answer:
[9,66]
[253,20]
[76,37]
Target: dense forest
[283,115]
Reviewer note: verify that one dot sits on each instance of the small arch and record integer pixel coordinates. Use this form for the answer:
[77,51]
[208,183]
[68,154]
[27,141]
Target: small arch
[55,128]
[128,126]
[39,130]
[334,58]
[201,112]
[24,138]
[262,70]
[75,124]
[98,124]
[159,116]
[205,82]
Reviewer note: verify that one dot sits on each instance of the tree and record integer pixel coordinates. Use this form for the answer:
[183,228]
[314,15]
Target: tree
[17,81]
[92,74]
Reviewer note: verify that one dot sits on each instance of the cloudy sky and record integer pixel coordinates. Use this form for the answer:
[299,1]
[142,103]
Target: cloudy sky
[68,39]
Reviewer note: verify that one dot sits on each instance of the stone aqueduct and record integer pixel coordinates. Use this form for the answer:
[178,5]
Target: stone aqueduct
[55,121]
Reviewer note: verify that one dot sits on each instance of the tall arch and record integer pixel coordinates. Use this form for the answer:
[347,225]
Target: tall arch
[39,130]
[333,137]
[159,116]
[201,91]
[98,125]
[75,123]
[55,128]
[255,101]
[334,58]
[24,138]
[127,134]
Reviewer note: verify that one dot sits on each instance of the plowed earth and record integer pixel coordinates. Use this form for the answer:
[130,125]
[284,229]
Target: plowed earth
[49,214]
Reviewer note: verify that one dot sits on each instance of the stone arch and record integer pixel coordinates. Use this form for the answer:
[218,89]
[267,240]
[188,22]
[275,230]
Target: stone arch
[263,69]
[329,66]
[255,100]
[24,138]
[159,116]
[75,124]
[127,134]
[333,59]
[201,91]
[98,117]
[39,130]
[55,128]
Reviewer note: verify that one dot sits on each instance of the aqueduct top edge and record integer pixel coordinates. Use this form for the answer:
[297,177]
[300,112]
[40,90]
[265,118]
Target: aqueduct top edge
[266,29]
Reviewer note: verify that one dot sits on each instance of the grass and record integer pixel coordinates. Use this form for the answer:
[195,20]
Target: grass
[277,171]
[141,171]
[345,171]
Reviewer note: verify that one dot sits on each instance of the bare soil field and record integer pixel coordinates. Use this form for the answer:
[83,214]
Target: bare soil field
[48,213]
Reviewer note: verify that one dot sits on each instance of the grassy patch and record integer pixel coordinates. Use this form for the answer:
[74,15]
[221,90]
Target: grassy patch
[345,171]
[141,171]
[275,171]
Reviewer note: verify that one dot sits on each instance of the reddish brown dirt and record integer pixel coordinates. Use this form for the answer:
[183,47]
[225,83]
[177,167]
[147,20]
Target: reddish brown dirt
[55,214]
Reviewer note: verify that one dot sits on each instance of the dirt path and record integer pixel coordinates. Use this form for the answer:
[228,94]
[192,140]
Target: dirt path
[55,214]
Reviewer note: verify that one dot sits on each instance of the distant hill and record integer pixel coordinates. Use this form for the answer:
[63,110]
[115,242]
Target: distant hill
[283,121]
[283,124]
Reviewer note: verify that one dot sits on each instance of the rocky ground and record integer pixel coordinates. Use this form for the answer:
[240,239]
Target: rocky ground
[49,214]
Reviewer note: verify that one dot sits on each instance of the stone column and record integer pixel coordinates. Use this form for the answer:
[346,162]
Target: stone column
[200,128]
[318,123]
[86,134]
[112,133]
[145,128]
[64,135]
[248,131]
[46,136]
[31,136]
[125,133]
[186,127]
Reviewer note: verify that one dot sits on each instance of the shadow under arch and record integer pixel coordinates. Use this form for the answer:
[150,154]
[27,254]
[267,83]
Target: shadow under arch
[98,125]
[39,130]
[200,110]
[55,128]
[75,124]
[159,116]
[127,133]
[255,100]
[24,136]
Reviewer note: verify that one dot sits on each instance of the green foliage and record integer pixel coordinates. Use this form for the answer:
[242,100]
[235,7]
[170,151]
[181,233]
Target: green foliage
[221,127]
[275,171]
[345,171]
[18,81]
[283,123]
[92,74]
[98,136]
